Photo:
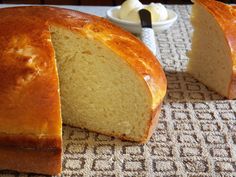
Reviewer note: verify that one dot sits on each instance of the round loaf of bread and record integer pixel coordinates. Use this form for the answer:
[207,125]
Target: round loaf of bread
[55,61]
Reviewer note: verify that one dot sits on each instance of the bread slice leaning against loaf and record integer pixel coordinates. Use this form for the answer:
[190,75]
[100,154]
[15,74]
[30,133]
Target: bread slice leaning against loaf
[213,54]
[103,79]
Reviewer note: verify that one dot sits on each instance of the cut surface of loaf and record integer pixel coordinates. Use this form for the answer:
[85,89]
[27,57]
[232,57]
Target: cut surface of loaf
[110,97]
[109,83]
[212,58]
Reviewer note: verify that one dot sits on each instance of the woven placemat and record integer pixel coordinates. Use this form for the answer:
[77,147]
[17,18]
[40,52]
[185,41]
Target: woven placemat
[196,134]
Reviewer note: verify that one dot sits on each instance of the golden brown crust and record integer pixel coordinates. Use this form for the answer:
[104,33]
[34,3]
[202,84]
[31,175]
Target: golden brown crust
[31,160]
[31,142]
[153,122]
[225,15]
[232,88]
[30,129]
[29,94]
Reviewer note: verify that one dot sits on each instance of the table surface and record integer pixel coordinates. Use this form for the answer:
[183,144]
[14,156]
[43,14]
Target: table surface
[196,134]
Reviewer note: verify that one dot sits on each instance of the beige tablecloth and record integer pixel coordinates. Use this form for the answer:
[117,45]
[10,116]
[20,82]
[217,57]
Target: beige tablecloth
[196,134]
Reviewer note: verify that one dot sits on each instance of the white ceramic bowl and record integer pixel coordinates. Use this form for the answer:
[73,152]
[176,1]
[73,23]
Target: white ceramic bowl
[135,27]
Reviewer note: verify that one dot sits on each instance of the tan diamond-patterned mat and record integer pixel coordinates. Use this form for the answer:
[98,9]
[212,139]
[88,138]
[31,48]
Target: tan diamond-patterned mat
[196,134]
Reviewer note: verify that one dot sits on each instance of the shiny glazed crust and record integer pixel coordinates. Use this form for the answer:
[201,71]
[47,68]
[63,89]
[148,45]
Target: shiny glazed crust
[225,15]
[30,128]
[29,94]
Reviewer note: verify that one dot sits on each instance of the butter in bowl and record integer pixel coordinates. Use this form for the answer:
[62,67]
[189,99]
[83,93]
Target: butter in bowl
[127,16]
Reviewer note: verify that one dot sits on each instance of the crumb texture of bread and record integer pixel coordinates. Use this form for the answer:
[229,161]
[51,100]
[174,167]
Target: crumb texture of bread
[99,90]
[210,58]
